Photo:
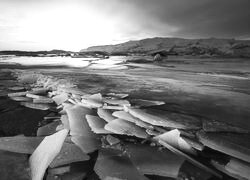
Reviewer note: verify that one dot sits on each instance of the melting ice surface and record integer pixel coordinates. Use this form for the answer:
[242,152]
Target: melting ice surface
[62,61]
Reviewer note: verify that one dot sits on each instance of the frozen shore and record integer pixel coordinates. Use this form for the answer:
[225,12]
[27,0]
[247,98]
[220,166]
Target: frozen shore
[219,101]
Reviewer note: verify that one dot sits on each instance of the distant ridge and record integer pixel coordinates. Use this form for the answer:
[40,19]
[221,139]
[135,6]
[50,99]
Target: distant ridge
[180,46]
[55,52]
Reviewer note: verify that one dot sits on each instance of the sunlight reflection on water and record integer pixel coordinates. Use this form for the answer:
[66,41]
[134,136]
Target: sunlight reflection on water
[62,61]
[49,61]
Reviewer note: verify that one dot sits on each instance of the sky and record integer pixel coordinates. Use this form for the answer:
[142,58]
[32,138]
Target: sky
[78,24]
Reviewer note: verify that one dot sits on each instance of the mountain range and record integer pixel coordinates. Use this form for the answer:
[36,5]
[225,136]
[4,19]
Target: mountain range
[178,46]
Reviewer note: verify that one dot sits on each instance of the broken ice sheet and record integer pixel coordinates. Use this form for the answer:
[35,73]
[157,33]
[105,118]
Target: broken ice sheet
[73,101]
[112,140]
[236,145]
[119,108]
[64,106]
[152,132]
[97,97]
[34,96]
[68,154]
[48,129]
[77,121]
[40,90]
[194,143]
[17,94]
[45,153]
[27,78]
[86,144]
[111,164]
[128,117]
[61,98]
[17,88]
[234,168]
[43,100]
[119,126]
[60,127]
[92,103]
[80,131]
[221,167]
[105,114]
[173,138]
[166,119]
[117,95]
[65,121]
[151,160]
[21,98]
[59,170]
[20,144]
[97,124]
[124,115]
[119,102]
[190,159]
[239,168]
[145,103]
[43,107]
[76,96]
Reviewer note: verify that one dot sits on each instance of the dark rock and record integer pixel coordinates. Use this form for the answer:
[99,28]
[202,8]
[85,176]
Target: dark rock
[157,58]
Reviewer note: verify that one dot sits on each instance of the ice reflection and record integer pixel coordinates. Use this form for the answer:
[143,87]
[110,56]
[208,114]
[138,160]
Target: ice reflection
[93,63]
[49,61]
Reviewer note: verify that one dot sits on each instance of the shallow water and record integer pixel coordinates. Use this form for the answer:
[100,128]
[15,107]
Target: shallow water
[49,61]
[59,61]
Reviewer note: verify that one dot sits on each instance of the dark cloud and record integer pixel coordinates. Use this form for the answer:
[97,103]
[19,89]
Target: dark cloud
[187,18]
[200,18]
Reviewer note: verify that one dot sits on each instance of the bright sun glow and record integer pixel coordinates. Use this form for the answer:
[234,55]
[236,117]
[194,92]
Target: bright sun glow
[73,25]
[67,28]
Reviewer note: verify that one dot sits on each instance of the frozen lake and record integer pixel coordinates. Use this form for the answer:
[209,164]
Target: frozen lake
[211,88]
[62,61]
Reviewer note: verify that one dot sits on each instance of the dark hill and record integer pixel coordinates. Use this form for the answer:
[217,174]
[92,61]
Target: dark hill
[178,46]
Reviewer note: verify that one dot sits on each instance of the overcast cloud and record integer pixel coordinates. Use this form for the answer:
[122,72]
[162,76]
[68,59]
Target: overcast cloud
[76,24]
